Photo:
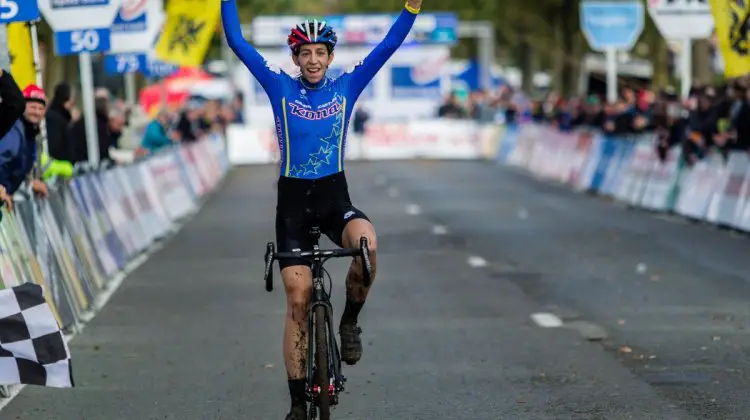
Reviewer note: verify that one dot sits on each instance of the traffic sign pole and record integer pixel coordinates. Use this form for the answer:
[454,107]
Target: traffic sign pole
[687,66]
[44,146]
[130,88]
[26,11]
[4,48]
[611,57]
[610,27]
[82,27]
[89,109]
[683,21]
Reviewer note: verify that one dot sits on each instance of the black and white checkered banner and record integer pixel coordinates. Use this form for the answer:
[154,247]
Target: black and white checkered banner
[58,255]
[33,350]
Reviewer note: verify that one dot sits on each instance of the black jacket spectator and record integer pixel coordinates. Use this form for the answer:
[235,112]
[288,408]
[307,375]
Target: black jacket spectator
[12,102]
[78,134]
[59,121]
[191,127]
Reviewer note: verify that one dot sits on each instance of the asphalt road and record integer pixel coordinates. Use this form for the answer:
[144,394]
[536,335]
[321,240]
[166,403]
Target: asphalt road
[653,309]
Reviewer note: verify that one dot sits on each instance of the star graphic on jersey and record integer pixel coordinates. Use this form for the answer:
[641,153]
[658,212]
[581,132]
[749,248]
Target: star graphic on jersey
[295,172]
[332,138]
[327,146]
[311,167]
[337,127]
[323,155]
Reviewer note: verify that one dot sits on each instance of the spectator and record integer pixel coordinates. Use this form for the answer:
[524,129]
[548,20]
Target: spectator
[117,122]
[18,147]
[59,120]
[78,133]
[360,120]
[740,118]
[191,126]
[239,109]
[451,108]
[12,102]
[157,134]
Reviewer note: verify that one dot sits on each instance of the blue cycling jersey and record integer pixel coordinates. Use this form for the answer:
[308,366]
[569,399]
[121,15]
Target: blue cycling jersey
[312,119]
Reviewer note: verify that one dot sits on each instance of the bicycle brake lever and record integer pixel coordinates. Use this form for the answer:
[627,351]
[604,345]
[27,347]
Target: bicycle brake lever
[367,271]
[268,277]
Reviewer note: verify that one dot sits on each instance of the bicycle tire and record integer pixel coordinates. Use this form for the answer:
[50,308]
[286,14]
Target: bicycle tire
[321,361]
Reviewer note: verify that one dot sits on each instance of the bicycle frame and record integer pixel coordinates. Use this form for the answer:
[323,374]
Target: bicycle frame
[320,297]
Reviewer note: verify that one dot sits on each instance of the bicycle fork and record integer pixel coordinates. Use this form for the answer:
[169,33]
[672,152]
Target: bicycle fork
[320,298]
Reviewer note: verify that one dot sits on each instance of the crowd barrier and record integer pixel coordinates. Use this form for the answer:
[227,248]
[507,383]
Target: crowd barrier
[78,240]
[627,168]
[420,139]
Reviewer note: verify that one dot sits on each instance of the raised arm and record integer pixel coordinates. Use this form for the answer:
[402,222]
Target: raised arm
[363,73]
[246,53]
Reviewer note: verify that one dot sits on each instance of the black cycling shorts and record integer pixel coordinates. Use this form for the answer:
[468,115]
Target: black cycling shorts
[304,203]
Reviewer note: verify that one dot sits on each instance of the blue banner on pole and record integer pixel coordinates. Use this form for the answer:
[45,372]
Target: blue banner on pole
[18,11]
[125,63]
[83,41]
[157,69]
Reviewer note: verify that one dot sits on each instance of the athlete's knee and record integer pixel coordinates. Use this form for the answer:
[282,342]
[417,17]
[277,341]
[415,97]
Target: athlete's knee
[358,229]
[298,285]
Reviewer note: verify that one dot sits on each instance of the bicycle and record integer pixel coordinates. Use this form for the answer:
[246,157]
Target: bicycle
[324,359]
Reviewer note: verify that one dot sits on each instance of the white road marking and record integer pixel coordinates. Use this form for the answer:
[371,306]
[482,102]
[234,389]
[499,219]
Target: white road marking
[439,230]
[547,320]
[476,261]
[413,210]
[393,192]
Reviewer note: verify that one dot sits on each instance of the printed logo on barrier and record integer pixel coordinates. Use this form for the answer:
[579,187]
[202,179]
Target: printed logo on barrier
[131,17]
[413,82]
[64,4]
[427,72]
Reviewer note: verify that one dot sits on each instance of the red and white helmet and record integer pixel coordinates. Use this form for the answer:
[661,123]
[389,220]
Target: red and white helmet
[312,32]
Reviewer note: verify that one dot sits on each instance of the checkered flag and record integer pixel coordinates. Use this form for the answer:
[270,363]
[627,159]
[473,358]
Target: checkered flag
[33,350]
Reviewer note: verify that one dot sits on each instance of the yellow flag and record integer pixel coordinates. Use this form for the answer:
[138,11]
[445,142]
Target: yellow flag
[21,54]
[188,30]
[731,17]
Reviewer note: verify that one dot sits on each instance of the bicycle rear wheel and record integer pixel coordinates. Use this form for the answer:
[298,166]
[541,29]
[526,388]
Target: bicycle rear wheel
[321,362]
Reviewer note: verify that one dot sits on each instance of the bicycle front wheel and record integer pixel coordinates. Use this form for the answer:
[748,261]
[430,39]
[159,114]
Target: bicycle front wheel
[321,361]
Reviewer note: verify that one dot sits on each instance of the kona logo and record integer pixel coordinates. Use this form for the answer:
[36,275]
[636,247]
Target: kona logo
[320,114]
